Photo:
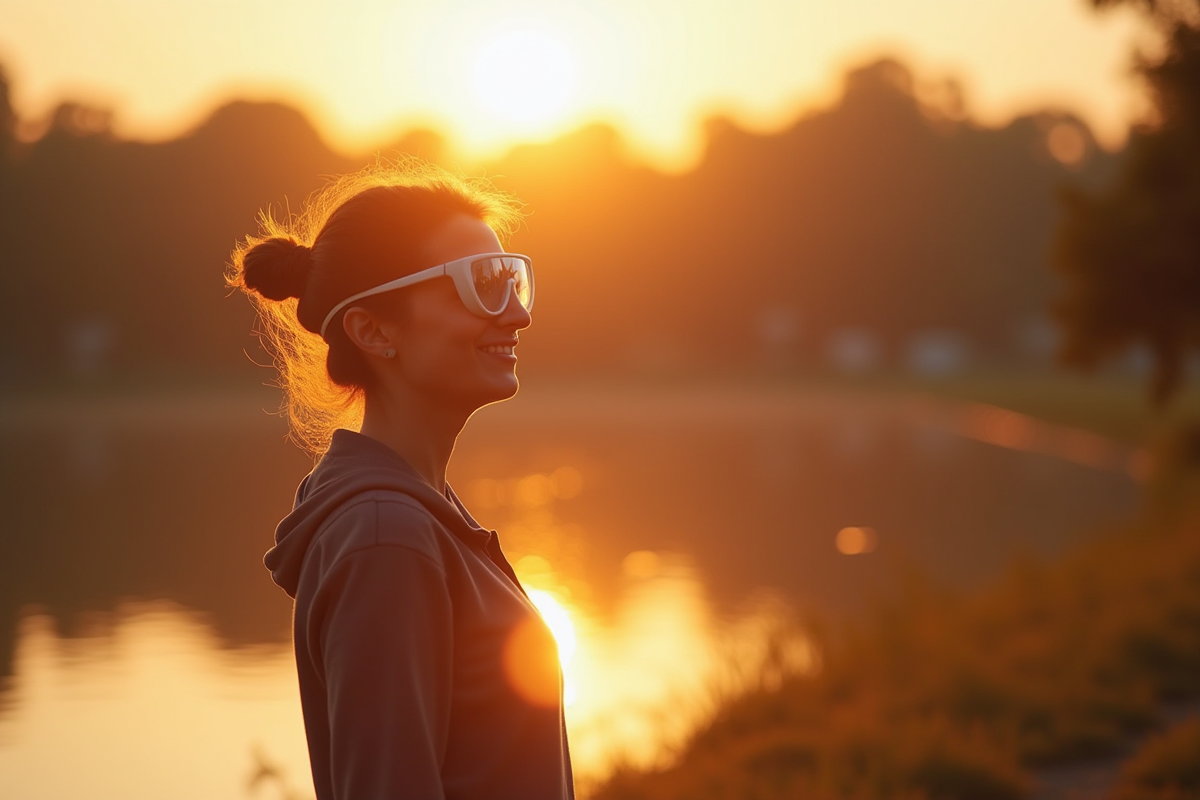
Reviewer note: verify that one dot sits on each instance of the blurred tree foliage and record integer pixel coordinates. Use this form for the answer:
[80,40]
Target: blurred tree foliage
[1131,253]
[8,118]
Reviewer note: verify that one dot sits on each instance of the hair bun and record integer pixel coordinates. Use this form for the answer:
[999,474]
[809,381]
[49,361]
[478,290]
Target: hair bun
[277,268]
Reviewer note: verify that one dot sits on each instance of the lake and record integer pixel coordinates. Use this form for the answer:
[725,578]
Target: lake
[677,538]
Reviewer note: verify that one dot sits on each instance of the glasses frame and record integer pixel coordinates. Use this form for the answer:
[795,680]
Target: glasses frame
[459,271]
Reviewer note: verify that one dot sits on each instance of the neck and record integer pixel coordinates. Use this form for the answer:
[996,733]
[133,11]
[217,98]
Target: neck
[421,431]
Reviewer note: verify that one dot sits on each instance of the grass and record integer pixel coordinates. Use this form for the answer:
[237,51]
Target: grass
[944,696]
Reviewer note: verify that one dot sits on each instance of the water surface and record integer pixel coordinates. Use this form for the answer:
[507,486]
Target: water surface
[146,654]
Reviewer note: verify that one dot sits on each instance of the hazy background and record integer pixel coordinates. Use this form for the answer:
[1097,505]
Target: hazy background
[856,183]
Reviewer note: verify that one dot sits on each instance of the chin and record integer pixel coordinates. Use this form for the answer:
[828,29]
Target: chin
[496,392]
[509,389]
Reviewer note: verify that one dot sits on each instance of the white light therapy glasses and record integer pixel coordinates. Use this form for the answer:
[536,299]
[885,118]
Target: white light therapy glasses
[485,283]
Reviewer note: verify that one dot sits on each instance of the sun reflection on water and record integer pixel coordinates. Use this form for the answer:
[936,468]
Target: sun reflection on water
[638,683]
[559,622]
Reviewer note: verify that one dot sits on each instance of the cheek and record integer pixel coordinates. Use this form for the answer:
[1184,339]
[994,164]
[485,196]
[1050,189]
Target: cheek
[441,348]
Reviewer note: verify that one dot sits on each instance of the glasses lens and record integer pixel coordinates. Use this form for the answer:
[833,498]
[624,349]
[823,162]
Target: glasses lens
[491,277]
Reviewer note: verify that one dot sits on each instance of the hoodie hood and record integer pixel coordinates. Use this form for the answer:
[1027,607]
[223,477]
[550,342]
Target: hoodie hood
[354,464]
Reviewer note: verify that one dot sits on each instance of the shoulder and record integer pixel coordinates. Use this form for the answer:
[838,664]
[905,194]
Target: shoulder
[381,518]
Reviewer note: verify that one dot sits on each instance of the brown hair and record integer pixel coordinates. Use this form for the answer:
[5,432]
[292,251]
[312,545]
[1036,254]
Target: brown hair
[361,230]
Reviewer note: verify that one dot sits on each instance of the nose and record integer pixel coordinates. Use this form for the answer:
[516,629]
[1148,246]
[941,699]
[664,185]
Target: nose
[514,316]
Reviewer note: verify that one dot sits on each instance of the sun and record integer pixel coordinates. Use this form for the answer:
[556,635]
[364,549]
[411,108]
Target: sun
[524,77]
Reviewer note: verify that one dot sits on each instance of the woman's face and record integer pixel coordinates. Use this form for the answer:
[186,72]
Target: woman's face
[444,350]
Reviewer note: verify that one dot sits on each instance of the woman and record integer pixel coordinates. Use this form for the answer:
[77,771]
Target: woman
[425,672]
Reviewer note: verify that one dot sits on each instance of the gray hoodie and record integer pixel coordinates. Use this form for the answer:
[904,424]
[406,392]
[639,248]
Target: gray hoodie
[425,672]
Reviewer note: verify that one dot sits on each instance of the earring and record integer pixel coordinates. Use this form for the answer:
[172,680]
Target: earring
[389,353]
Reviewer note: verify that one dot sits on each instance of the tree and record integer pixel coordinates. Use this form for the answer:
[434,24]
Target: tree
[8,117]
[1131,252]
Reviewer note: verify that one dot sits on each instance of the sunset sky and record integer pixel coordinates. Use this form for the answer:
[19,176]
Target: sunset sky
[494,73]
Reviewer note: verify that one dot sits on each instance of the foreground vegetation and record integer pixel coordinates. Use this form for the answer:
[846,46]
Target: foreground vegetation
[948,696]
[1167,767]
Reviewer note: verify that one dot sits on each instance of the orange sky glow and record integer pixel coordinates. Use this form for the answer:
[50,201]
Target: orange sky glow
[492,74]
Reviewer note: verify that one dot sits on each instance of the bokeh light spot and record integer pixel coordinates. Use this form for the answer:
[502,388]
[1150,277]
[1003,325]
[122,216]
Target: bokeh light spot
[1066,143]
[855,541]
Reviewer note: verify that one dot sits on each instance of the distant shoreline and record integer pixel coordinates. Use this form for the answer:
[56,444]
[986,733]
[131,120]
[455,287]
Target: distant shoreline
[619,403]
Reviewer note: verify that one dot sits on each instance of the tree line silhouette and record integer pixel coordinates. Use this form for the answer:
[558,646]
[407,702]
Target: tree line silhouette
[1130,252]
[883,214]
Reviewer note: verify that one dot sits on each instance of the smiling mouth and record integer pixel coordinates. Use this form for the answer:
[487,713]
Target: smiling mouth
[498,349]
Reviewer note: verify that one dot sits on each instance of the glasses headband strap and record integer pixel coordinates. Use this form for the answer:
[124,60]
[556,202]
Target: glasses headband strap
[399,283]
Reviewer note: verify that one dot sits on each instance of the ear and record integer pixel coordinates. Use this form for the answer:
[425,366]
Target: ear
[367,332]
